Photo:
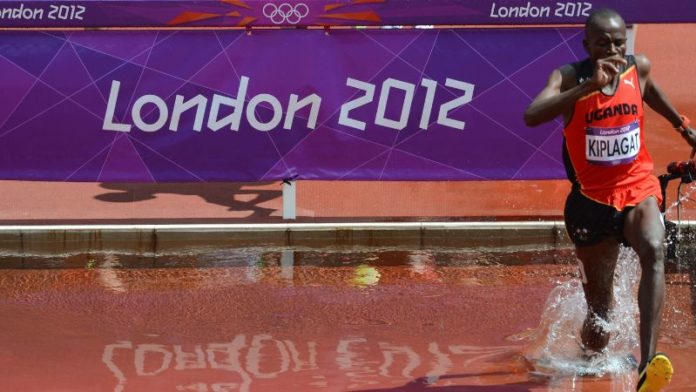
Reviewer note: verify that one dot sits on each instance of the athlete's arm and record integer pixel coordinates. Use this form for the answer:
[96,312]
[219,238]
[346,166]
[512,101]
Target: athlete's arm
[657,100]
[561,91]
[653,95]
[552,101]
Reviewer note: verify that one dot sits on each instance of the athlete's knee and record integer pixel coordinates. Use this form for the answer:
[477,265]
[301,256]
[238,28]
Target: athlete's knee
[651,249]
[651,256]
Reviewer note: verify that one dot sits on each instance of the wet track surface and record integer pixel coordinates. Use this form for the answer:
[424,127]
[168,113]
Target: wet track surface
[308,320]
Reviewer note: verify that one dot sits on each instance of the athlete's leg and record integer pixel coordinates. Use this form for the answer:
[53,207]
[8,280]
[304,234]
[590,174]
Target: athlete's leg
[598,262]
[645,232]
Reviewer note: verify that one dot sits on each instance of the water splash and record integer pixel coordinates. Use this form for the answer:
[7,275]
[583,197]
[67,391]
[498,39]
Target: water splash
[555,346]
[682,198]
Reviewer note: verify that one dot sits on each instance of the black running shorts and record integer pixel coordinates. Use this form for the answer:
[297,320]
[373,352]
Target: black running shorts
[589,222]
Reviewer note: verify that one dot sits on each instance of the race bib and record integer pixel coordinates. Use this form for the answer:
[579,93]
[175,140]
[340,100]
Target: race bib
[612,146]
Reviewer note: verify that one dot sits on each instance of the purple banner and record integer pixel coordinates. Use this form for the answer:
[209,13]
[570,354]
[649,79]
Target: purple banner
[227,106]
[240,13]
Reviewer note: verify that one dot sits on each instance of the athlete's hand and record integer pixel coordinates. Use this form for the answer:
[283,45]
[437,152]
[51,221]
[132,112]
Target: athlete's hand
[606,69]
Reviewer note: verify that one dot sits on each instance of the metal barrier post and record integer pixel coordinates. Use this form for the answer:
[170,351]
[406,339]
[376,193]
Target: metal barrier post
[289,199]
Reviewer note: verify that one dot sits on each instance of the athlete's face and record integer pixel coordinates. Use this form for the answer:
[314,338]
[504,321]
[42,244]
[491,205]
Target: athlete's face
[606,38]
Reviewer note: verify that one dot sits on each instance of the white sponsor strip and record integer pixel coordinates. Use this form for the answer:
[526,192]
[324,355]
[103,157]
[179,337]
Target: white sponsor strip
[612,145]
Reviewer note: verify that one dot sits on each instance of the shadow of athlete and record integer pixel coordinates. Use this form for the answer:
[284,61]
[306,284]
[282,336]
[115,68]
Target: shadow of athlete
[614,197]
[216,193]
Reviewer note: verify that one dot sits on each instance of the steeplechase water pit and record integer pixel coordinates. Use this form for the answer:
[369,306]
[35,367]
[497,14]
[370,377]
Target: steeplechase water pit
[493,317]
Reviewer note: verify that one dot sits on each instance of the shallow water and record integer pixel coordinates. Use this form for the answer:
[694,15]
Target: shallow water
[259,319]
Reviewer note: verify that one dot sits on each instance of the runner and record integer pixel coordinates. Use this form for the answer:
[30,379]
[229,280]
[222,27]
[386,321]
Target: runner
[615,197]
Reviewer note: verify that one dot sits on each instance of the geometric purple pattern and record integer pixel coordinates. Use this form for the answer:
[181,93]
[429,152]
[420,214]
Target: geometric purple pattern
[56,87]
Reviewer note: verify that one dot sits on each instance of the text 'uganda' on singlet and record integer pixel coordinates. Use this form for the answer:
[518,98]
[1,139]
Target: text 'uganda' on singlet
[603,152]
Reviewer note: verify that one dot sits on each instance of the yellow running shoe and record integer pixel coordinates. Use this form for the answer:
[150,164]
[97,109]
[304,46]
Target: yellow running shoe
[656,375]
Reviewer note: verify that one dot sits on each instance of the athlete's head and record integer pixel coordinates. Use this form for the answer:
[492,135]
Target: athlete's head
[605,34]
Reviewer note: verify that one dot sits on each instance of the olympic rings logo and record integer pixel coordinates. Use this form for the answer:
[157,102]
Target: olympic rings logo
[285,13]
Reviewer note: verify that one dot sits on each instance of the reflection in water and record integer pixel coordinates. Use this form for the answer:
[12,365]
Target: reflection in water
[420,261]
[245,359]
[423,265]
[108,274]
[439,365]
[287,262]
[107,358]
[340,319]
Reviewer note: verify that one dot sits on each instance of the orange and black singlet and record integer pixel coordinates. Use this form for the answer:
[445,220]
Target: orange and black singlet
[604,151]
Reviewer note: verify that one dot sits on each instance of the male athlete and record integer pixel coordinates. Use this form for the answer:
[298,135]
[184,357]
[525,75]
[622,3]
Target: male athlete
[614,197]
